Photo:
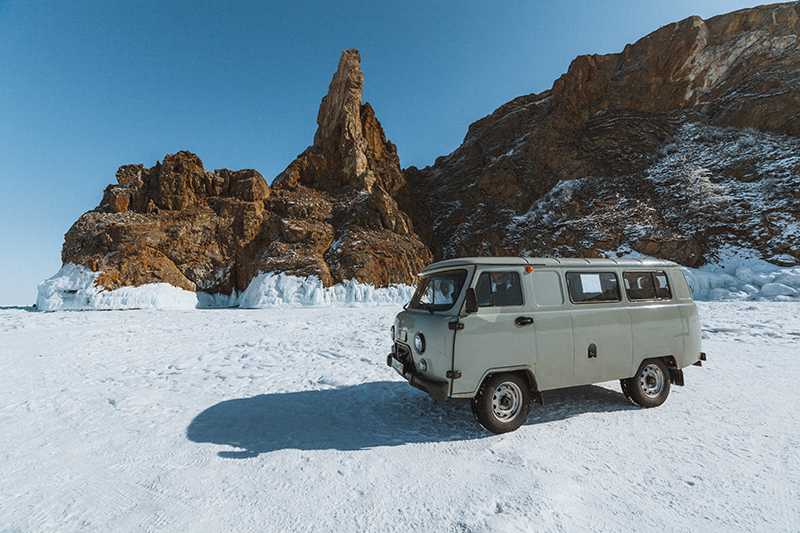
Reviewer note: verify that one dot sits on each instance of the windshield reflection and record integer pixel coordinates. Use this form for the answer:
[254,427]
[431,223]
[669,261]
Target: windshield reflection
[438,292]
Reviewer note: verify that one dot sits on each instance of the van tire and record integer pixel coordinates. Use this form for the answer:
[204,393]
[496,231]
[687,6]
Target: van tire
[503,402]
[650,386]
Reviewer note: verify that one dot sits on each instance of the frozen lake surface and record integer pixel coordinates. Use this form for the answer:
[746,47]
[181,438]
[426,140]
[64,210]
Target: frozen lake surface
[290,420]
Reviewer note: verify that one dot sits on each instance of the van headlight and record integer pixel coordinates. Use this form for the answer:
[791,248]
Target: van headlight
[419,342]
[392,332]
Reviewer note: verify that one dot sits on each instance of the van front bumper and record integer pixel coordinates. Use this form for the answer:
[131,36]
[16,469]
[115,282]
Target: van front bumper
[437,389]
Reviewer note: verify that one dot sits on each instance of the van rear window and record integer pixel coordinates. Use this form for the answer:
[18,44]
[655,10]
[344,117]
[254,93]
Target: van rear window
[589,287]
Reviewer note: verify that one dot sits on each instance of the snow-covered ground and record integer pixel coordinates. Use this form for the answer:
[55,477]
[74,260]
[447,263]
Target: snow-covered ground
[290,420]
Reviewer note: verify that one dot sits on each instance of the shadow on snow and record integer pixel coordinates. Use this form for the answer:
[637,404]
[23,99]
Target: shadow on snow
[366,416]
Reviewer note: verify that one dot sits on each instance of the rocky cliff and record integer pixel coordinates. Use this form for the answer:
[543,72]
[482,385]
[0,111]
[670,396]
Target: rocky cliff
[331,214]
[681,145]
[662,149]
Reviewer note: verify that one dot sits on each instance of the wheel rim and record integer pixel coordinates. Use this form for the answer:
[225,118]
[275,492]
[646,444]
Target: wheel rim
[506,401]
[652,380]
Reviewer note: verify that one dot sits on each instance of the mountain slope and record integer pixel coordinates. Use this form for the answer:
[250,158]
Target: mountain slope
[580,169]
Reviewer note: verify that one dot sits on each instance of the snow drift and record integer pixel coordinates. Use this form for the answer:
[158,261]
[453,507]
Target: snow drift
[73,288]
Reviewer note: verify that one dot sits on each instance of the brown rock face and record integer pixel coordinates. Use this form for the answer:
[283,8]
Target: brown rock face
[580,169]
[680,146]
[175,223]
[331,214]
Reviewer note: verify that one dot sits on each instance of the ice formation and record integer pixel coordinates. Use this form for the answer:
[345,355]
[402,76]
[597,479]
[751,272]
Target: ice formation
[74,288]
[737,277]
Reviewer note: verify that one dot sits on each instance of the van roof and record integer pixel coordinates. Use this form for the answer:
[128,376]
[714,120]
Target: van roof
[545,261]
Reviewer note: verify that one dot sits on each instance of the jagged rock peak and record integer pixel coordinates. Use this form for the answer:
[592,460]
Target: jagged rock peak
[339,120]
[350,148]
[342,105]
[356,170]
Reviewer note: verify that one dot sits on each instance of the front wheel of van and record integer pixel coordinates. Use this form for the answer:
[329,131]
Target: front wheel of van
[502,403]
[650,386]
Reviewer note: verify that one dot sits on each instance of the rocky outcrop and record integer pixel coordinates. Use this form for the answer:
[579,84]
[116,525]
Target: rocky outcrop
[681,145]
[331,214]
[175,223]
[565,172]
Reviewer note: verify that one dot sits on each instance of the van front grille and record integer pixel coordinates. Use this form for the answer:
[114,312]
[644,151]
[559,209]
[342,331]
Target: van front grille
[403,354]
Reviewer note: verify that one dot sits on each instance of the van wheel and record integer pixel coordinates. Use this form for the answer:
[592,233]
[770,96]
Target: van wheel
[502,403]
[650,386]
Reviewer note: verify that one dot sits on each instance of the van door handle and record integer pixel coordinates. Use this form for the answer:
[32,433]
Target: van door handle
[523,321]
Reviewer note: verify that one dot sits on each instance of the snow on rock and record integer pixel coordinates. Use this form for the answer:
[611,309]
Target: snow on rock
[777,289]
[150,296]
[74,288]
[738,276]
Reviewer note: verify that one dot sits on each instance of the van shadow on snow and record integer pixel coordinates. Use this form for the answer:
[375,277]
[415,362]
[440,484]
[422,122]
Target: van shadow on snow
[368,415]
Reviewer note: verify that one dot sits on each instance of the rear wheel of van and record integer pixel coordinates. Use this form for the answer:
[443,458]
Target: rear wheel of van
[650,386]
[503,402]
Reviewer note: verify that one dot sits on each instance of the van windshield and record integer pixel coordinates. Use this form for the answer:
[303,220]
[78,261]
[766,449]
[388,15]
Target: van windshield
[438,292]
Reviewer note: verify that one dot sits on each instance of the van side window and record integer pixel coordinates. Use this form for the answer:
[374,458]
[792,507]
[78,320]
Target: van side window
[547,289]
[662,286]
[647,285]
[592,287]
[498,289]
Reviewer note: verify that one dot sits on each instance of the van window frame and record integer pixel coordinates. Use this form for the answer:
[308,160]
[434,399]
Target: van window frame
[489,271]
[569,292]
[462,273]
[653,273]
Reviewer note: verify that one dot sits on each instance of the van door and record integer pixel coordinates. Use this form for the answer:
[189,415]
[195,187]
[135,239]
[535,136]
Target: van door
[499,335]
[655,319]
[601,328]
[555,358]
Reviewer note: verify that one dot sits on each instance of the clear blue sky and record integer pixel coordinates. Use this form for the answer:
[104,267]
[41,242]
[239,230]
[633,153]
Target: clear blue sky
[87,86]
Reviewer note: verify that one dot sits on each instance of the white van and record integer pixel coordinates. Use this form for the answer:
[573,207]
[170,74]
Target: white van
[502,330]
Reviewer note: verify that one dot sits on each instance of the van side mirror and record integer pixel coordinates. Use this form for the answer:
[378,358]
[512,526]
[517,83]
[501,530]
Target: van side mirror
[471,301]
